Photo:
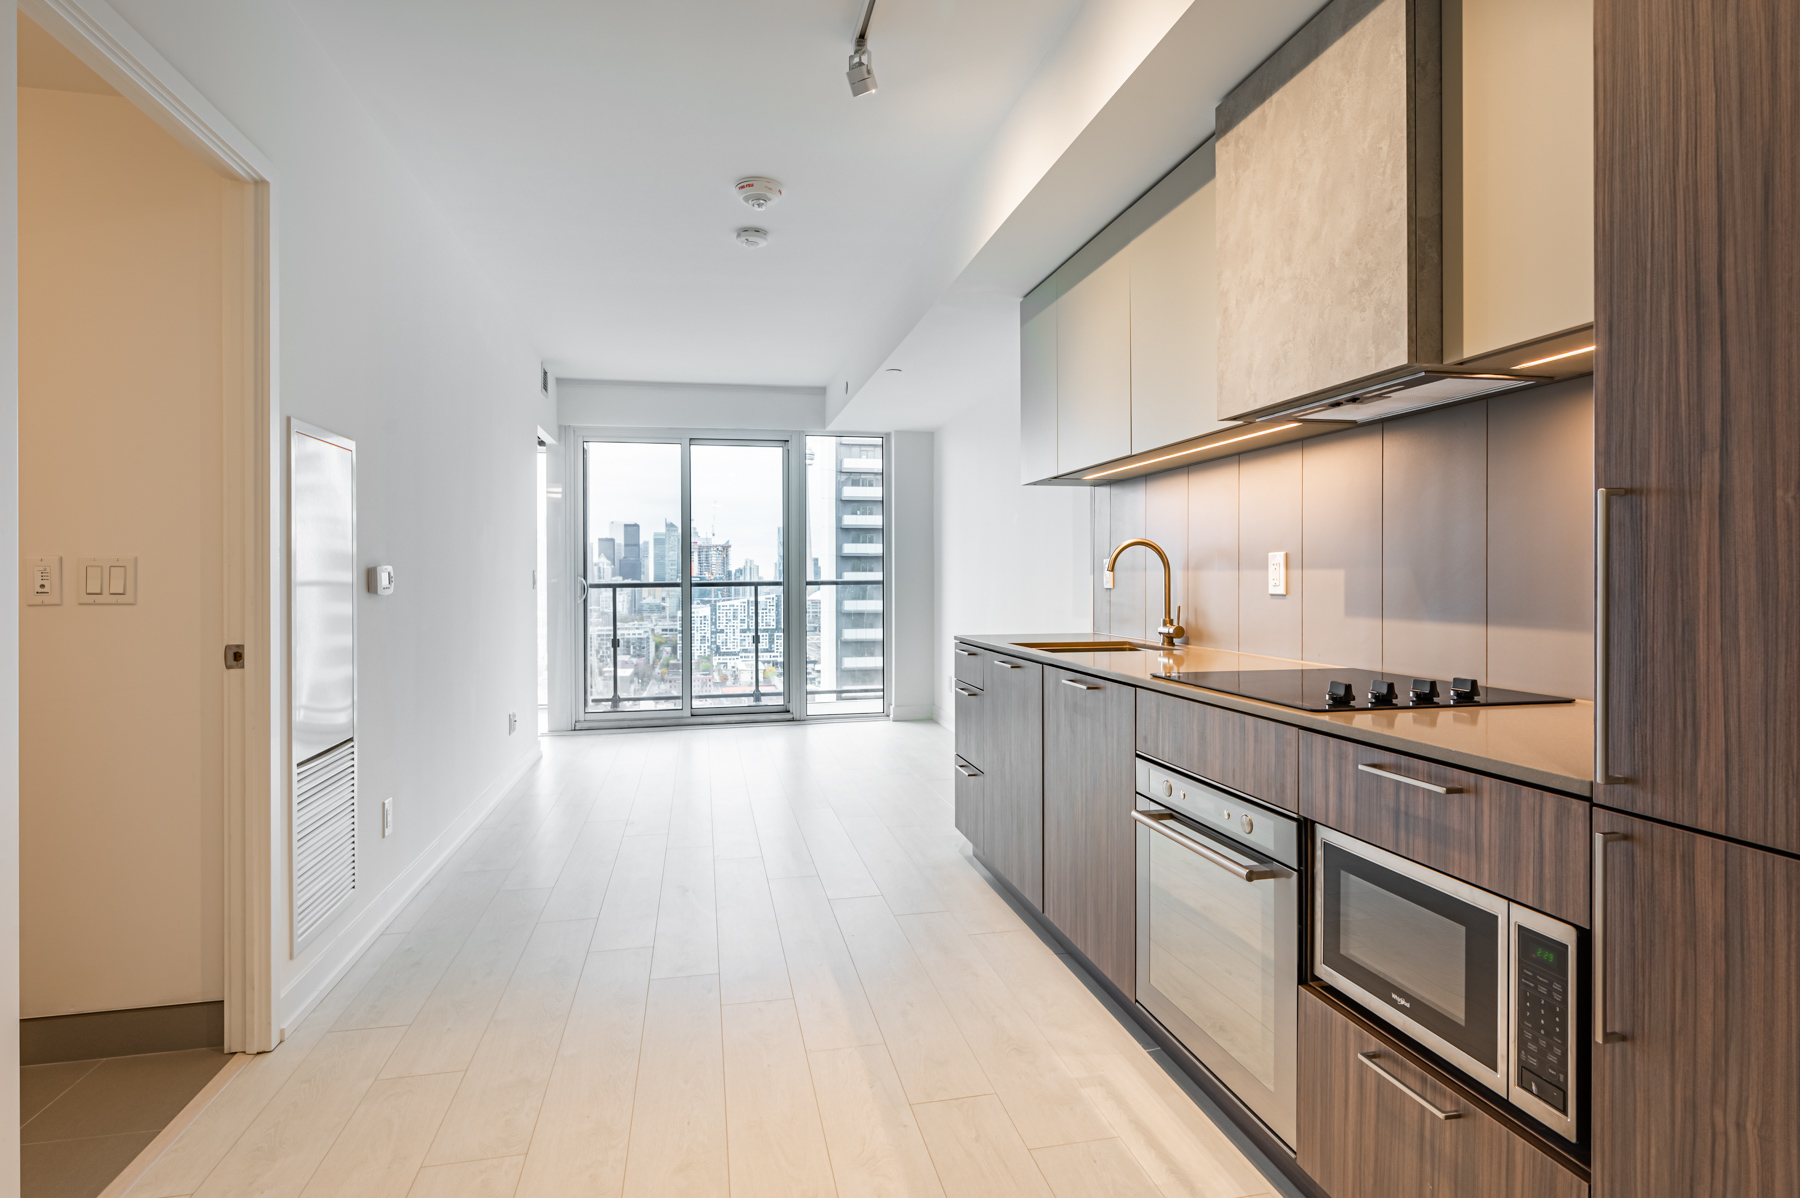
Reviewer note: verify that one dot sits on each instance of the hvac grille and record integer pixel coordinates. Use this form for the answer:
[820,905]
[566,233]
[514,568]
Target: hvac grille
[324,838]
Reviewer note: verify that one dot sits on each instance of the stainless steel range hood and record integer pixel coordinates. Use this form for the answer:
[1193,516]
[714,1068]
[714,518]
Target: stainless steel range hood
[1408,388]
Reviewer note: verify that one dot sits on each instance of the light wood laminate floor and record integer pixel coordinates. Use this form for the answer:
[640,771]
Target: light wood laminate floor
[755,962]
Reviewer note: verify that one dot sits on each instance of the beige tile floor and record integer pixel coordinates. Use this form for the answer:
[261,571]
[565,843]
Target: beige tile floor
[744,961]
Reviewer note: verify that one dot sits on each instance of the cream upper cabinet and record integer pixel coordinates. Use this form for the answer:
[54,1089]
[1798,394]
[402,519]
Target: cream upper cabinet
[1174,326]
[1093,367]
[1518,171]
[1037,383]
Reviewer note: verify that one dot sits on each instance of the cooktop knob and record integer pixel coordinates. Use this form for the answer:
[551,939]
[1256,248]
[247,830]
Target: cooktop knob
[1424,692]
[1382,693]
[1340,694]
[1464,690]
[1249,825]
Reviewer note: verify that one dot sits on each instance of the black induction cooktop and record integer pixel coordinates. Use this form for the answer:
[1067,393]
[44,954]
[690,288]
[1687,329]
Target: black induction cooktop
[1341,689]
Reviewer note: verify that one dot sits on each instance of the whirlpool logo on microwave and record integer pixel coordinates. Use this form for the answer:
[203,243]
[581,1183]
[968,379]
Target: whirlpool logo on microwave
[1400,1001]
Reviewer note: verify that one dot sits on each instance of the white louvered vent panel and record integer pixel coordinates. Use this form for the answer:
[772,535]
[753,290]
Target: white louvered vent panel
[324,839]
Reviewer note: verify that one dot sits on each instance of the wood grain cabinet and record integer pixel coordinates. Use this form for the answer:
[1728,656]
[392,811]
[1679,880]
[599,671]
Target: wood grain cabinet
[1370,1125]
[1090,850]
[1000,764]
[1695,412]
[1258,757]
[1527,844]
[1014,770]
[1697,960]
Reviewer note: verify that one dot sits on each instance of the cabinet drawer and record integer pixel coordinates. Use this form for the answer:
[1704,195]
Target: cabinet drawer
[1529,845]
[971,724]
[970,809]
[969,662]
[1362,1136]
[1258,757]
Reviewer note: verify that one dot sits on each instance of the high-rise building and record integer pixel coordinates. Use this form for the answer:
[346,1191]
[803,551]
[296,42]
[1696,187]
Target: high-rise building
[658,553]
[605,565]
[669,557]
[712,560]
[858,532]
[631,563]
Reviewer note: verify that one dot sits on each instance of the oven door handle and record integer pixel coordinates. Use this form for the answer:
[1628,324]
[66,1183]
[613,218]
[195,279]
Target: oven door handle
[1368,1058]
[1161,825]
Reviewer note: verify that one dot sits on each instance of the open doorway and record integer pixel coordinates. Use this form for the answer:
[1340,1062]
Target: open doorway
[135,363]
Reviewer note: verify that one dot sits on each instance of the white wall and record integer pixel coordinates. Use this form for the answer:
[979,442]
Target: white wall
[912,587]
[389,335]
[1009,558]
[9,604]
[603,402]
[120,428]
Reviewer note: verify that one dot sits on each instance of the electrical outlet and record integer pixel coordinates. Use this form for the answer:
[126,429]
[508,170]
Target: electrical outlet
[512,722]
[387,818]
[1278,573]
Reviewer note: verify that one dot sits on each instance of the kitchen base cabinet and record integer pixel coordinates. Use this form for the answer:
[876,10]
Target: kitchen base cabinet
[971,751]
[1369,1134]
[1014,774]
[1090,849]
[1699,941]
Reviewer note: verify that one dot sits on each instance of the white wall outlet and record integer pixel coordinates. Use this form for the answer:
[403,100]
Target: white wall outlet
[387,817]
[106,580]
[42,578]
[512,722]
[1278,574]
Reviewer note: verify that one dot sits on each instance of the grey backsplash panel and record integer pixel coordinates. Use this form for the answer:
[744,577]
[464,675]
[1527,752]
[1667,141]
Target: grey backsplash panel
[1451,542]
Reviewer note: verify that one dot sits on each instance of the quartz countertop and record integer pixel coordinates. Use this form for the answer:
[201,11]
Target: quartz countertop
[1549,746]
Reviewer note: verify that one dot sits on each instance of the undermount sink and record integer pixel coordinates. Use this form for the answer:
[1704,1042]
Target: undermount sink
[1083,646]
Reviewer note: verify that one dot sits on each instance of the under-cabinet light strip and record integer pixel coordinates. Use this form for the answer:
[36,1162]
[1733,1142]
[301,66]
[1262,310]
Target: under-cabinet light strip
[1261,432]
[1586,349]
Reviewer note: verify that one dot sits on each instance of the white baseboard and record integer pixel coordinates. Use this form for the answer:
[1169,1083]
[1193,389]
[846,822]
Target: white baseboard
[944,715]
[344,949]
[913,711]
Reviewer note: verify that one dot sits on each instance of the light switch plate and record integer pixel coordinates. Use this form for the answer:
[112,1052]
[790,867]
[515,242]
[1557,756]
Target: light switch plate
[1278,582]
[108,581]
[387,818]
[42,578]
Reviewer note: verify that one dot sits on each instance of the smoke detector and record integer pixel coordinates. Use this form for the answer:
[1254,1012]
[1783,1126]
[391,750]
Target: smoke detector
[758,192]
[752,238]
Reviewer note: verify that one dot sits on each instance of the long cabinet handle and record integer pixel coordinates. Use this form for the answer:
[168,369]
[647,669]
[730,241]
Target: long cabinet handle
[1080,686]
[1598,918]
[1391,776]
[1160,824]
[1602,632]
[1368,1058]
[967,693]
[1007,665]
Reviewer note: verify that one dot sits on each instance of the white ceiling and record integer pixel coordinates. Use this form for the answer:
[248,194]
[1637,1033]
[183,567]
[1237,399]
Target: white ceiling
[586,150]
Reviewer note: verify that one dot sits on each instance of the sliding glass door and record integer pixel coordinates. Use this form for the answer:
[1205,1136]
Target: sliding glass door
[690,584]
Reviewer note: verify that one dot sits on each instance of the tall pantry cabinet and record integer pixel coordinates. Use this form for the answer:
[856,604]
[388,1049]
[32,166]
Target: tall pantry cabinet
[1697,411]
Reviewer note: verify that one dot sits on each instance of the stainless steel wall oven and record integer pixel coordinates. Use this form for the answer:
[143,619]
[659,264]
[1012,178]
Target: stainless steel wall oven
[1218,926]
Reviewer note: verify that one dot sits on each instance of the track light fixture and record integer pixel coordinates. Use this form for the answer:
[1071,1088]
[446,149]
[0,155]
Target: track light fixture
[862,70]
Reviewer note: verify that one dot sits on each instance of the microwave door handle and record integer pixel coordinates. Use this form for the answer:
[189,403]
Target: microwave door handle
[1368,1058]
[1160,824]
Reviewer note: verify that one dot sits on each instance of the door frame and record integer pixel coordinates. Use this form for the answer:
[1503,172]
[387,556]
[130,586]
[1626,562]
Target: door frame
[256,785]
[568,706]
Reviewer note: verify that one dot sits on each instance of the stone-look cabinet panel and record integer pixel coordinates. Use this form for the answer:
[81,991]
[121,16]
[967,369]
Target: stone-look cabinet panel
[1448,542]
[1323,273]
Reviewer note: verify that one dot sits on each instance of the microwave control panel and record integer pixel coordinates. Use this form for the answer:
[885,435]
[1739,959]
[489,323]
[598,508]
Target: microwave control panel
[1544,1015]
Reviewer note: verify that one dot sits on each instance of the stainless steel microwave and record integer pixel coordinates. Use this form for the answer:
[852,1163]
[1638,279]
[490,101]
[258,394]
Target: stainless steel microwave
[1485,983]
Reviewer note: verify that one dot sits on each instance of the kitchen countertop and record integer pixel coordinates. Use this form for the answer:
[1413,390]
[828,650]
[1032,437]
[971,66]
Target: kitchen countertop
[1549,746]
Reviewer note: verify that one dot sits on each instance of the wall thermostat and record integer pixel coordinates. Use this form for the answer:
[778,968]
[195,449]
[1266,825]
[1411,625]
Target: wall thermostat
[381,580]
